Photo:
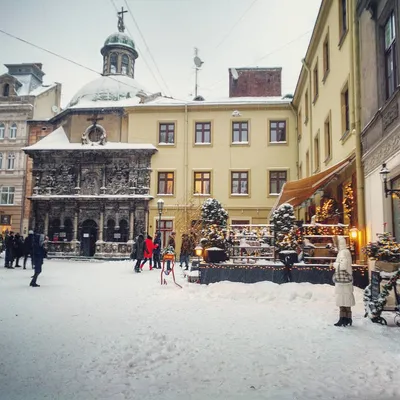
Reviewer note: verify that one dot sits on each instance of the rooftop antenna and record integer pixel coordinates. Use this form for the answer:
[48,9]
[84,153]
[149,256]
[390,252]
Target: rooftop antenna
[198,63]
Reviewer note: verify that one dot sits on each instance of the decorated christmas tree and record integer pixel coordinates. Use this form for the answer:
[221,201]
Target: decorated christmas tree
[212,213]
[284,225]
[214,220]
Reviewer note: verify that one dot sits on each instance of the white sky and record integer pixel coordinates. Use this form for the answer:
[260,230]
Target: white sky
[76,29]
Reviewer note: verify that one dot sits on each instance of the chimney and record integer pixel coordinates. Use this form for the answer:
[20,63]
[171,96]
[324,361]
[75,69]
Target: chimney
[255,82]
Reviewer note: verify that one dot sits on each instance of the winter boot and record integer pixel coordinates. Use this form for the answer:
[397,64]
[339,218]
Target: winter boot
[348,321]
[341,322]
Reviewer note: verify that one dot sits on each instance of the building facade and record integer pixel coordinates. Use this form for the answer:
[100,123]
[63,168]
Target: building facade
[328,132]
[23,97]
[380,57]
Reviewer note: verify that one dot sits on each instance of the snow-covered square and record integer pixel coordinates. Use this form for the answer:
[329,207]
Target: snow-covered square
[97,330]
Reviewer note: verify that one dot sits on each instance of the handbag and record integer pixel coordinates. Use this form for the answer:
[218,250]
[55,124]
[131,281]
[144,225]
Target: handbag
[342,276]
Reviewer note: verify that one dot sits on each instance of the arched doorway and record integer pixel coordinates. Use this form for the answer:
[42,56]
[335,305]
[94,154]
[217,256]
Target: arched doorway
[88,238]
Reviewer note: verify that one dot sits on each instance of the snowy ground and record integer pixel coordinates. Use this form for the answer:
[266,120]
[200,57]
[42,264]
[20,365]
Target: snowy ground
[96,330]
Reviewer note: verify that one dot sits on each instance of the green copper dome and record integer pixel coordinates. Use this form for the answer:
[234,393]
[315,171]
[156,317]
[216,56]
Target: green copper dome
[119,38]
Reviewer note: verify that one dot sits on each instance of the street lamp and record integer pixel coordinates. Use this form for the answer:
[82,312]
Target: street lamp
[354,233]
[384,172]
[160,207]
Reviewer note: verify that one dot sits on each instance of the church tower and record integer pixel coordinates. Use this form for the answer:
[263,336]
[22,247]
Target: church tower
[119,53]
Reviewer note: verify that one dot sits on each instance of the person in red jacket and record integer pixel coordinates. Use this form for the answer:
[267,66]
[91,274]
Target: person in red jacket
[148,252]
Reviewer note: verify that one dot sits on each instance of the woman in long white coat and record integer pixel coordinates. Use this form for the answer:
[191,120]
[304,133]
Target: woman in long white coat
[343,279]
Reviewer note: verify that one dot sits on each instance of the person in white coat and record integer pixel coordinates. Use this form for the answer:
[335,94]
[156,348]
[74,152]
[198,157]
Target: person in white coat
[343,279]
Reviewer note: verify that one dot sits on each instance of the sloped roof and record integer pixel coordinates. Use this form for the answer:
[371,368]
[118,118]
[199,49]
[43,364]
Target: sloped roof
[58,140]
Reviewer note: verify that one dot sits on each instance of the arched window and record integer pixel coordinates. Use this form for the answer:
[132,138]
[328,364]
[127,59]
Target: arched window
[113,63]
[110,230]
[1,160]
[11,161]
[13,131]
[2,130]
[125,65]
[124,230]
[6,90]
[54,230]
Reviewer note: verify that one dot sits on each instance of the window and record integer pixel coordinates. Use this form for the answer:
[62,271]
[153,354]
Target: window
[11,161]
[343,18]
[1,160]
[299,124]
[165,227]
[316,153]
[203,132]
[13,131]
[307,164]
[328,139]
[202,182]
[306,107]
[113,63]
[240,132]
[6,90]
[345,110]
[239,182]
[165,183]
[7,195]
[2,130]
[326,57]
[125,64]
[390,56]
[277,131]
[315,81]
[276,181]
[167,133]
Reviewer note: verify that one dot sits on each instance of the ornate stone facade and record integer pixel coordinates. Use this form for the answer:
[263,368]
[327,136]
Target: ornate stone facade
[91,201]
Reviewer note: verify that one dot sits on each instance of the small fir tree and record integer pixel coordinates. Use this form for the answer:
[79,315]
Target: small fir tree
[212,213]
[284,225]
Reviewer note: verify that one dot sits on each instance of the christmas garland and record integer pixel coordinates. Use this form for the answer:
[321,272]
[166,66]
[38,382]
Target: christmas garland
[373,308]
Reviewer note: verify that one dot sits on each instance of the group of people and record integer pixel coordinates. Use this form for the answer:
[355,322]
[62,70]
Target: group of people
[149,250]
[16,247]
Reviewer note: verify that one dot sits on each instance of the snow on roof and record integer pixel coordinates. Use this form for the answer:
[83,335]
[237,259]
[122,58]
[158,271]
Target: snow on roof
[108,91]
[58,140]
[42,89]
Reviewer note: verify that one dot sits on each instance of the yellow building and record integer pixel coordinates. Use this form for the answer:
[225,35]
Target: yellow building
[239,150]
[328,119]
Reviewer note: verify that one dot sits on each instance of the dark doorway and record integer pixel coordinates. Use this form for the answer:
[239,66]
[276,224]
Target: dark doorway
[88,238]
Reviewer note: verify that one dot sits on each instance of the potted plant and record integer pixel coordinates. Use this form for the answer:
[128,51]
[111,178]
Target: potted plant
[385,251]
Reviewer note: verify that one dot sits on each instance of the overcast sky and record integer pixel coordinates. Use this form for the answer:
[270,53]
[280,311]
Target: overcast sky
[228,33]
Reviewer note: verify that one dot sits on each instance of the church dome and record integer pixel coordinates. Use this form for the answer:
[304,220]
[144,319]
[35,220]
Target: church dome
[111,88]
[120,38]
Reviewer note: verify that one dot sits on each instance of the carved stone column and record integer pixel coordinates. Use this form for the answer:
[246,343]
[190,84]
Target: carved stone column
[46,223]
[101,228]
[131,224]
[76,216]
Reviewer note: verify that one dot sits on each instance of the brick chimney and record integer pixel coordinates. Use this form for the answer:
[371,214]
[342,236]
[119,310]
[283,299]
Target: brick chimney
[255,82]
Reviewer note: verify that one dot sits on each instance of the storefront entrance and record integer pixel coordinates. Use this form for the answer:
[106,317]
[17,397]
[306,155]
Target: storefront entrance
[88,238]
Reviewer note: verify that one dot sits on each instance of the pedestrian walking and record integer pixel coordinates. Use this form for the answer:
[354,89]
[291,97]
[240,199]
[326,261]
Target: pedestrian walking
[138,252]
[186,250]
[343,279]
[157,251]
[148,252]
[10,251]
[38,257]
[28,243]
[18,249]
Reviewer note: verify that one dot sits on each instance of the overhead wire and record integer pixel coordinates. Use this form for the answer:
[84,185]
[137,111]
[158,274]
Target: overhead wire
[142,55]
[147,47]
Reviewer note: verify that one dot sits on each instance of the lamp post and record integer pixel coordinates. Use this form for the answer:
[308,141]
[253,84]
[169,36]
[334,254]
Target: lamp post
[353,233]
[384,172]
[160,207]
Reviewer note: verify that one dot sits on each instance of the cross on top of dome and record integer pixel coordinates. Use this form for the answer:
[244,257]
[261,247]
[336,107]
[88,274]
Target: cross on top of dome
[121,25]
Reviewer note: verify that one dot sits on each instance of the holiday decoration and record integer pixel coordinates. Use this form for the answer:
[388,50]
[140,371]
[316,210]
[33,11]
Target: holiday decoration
[328,209]
[348,201]
[284,225]
[212,213]
[384,249]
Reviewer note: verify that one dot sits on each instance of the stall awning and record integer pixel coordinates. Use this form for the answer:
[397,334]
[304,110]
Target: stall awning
[296,192]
